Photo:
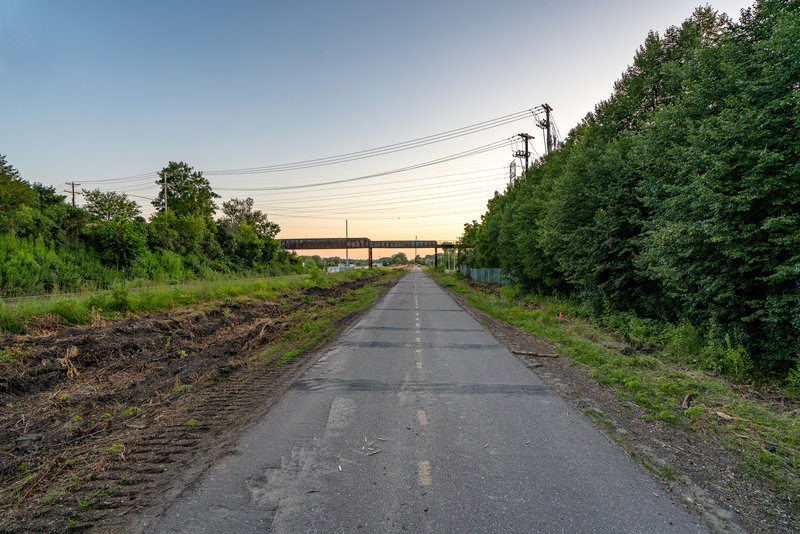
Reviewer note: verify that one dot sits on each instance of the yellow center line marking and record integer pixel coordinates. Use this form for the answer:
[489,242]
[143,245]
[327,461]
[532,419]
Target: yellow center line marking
[424,473]
[419,365]
[417,340]
[422,417]
[418,351]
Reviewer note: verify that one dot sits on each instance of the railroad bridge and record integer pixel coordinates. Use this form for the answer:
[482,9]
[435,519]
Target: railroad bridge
[322,243]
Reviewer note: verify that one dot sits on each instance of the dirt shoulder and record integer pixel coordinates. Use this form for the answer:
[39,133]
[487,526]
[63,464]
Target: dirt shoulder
[102,423]
[692,464]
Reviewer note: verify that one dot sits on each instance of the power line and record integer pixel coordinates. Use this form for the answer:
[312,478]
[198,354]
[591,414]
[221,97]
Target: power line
[467,153]
[363,207]
[407,205]
[387,218]
[360,187]
[379,151]
[395,190]
[136,178]
[349,156]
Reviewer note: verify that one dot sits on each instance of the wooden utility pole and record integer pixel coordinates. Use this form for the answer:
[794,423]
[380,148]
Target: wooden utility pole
[548,130]
[165,185]
[73,184]
[527,153]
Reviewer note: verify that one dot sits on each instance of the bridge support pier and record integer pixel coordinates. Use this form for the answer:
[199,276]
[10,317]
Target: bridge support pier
[370,257]
[435,257]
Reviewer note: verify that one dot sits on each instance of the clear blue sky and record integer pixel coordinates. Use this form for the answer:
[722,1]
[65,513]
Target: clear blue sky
[98,90]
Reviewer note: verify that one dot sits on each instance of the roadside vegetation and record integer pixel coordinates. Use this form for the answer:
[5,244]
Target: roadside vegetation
[663,369]
[677,200]
[123,300]
[49,246]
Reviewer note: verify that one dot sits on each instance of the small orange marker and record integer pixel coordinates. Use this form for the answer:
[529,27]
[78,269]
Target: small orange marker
[559,315]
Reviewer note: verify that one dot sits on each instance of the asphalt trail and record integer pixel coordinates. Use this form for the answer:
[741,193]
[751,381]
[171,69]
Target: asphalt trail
[418,420]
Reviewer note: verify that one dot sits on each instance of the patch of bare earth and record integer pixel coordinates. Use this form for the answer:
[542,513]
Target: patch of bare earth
[99,423]
[692,464]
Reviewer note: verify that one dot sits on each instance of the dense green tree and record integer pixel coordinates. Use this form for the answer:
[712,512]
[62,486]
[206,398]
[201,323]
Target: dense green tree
[110,205]
[523,259]
[724,237]
[238,211]
[247,232]
[187,192]
[399,259]
[14,191]
[120,241]
[47,197]
[679,196]
[184,235]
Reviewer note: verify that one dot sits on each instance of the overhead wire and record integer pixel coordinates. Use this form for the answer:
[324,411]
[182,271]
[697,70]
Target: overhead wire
[134,178]
[467,153]
[378,151]
[396,181]
[388,218]
[409,204]
[348,156]
[418,189]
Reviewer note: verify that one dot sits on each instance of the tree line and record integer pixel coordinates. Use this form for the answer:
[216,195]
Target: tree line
[321,263]
[678,197]
[46,244]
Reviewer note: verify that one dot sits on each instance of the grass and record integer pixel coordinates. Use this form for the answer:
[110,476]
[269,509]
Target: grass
[122,299]
[767,439]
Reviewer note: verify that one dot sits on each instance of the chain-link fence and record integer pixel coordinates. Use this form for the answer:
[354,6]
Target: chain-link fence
[484,274]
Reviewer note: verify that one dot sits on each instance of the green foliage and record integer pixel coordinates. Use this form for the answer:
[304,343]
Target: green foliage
[678,198]
[238,212]
[399,259]
[14,191]
[72,310]
[793,377]
[48,246]
[131,411]
[110,205]
[187,192]
[120,241]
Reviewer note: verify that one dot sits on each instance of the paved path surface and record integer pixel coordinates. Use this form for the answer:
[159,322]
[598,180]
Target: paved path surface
[418,420]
